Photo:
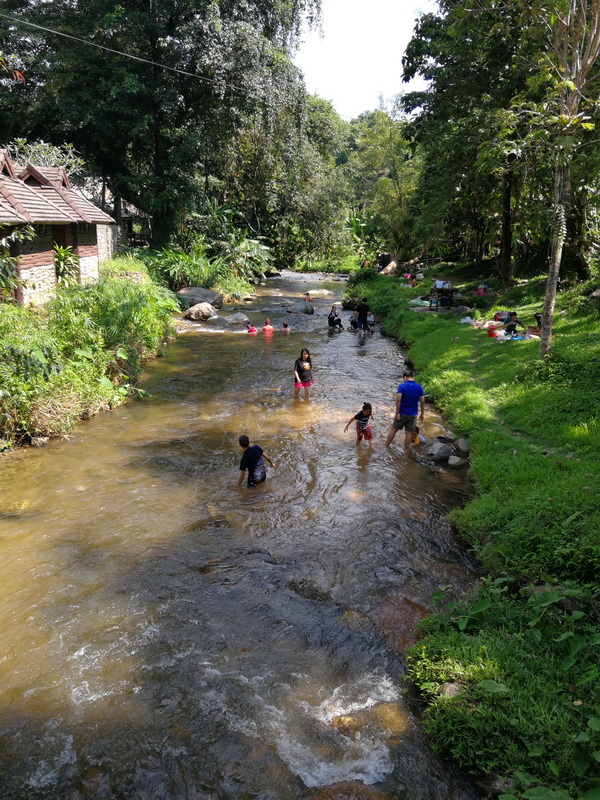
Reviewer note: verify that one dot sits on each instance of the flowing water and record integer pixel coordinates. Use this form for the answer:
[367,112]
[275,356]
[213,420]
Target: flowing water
[166,634]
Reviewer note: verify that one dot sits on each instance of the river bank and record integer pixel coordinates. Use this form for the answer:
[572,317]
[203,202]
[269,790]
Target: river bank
[509,678]
[79,355]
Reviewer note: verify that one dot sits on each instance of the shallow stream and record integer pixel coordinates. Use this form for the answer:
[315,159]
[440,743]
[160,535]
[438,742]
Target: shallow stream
[168,635]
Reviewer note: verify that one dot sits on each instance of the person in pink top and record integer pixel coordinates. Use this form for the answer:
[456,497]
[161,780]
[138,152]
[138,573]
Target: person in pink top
[250,328]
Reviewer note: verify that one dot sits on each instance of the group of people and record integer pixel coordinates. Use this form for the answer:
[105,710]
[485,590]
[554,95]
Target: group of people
[362,318]
[410,409]
[510,322]
[267,328]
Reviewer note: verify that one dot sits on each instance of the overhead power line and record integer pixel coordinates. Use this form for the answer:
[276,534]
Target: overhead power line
[241,90]
[19,21]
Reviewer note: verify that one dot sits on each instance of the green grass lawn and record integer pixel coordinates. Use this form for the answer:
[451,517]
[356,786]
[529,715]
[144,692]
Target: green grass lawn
[533,426]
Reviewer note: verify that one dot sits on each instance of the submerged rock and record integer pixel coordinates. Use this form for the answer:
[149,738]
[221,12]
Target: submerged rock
[301,308]
[396,620]
[389,719]
[236,319]
[307,588]
[349,790]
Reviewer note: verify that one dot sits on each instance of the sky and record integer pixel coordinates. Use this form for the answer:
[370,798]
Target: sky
[359,56]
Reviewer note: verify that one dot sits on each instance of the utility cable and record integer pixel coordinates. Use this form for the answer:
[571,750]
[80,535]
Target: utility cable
[239,89]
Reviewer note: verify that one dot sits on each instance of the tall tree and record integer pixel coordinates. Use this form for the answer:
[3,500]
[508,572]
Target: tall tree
[156,131]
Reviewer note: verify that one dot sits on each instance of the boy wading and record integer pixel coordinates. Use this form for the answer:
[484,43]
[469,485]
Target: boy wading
[252,462]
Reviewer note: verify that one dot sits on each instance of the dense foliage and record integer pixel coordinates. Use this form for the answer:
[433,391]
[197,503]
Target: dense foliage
[83,354]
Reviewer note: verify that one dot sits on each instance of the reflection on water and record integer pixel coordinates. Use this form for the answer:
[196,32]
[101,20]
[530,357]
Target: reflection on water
[168,635]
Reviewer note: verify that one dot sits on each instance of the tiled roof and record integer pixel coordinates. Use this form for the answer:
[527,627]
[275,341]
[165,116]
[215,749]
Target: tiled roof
[30,204]
[42,195]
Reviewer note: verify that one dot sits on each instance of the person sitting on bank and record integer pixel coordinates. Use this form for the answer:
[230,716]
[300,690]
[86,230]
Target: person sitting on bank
[354,320]
[511,326]
[536,330]
[252,462]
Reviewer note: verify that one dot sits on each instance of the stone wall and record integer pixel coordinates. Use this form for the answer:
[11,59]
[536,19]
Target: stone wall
[88,269]
[39,284]
[111,239]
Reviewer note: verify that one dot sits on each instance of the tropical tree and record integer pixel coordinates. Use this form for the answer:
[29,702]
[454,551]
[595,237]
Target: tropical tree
[156,122]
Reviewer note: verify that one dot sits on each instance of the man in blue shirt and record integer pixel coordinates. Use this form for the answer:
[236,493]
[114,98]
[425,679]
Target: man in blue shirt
[409,398]
[252,461]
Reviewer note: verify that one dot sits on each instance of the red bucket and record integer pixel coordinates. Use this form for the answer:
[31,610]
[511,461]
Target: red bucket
[492,333]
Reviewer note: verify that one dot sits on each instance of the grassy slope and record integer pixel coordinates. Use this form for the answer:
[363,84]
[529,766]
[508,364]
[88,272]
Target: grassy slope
[525,660]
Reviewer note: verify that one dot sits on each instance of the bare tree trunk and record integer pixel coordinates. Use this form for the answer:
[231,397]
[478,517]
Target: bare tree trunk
[559,230]
[505,264]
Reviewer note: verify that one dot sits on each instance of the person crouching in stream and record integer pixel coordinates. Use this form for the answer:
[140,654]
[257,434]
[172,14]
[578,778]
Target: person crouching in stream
[363,424]
[252,462]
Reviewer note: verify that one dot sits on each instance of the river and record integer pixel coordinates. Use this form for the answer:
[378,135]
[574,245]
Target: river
[168,635]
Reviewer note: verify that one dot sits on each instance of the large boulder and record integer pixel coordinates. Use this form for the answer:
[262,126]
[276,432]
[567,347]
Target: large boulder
[301,308]
[440,451]
[196,294]
[200,312]
[237,319]
[460,310]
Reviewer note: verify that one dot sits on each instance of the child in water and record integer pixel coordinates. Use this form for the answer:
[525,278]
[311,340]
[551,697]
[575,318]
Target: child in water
[250,327]
[303,374]
[363,424]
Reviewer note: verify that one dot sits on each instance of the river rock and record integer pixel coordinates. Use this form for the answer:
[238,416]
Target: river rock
[308,588]
[440,451]
[460,310]
[200,312]
[456,462]
[450,689]
[301,308]
[217,322]
[250,298]
[248,768]
[396,620]
[236,319]
[349,790]
[196,294]
[462,447]
[389,719]
[272,273]
[39,441]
